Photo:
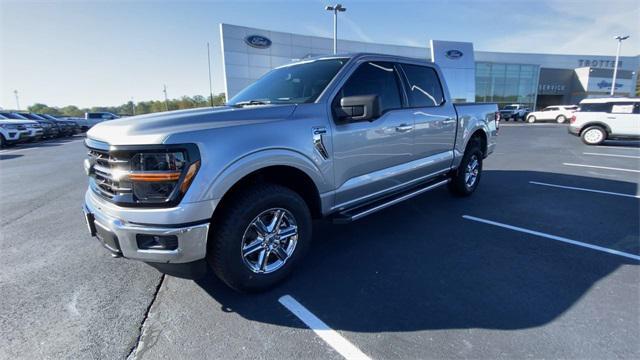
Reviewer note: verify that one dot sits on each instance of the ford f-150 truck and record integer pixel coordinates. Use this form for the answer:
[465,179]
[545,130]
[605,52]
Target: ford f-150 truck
[238,185]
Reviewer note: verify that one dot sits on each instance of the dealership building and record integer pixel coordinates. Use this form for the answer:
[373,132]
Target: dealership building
[536,80]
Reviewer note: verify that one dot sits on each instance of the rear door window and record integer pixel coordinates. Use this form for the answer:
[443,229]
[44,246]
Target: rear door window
[423,86]
[622,108]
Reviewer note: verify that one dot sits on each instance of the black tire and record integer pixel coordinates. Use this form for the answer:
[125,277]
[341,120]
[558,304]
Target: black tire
[561,119]
[593,135]
[531,119]
[3,141]
[459,185]
[225,254]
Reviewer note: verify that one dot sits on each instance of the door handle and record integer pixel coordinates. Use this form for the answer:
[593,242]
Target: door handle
[611,117]
[404,128]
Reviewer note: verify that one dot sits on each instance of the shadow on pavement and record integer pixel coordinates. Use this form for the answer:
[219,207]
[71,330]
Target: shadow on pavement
[9,157]
[419,265]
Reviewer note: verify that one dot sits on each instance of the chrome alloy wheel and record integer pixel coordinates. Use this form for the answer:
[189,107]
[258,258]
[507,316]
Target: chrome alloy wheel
[472,171]
[269,241]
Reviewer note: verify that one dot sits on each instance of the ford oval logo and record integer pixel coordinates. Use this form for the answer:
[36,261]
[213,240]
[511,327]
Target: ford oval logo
[453,54]
[257,41]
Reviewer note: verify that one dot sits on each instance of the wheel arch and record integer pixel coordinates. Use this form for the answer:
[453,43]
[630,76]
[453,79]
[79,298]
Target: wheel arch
[595,123]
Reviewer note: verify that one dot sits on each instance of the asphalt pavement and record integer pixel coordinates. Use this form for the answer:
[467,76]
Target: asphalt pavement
[543,262]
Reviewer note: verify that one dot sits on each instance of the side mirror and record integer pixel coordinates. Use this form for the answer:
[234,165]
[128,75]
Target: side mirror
[361,107]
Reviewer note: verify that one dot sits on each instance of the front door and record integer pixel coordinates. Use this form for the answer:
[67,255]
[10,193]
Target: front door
[369,156]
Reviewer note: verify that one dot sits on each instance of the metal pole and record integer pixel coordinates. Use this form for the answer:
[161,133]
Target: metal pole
[133,108]
[166,101]
[209,62]
[17,99]
[615,68]
[335,30]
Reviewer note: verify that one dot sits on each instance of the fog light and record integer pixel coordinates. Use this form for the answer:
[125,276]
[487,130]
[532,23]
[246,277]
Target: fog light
[157,242]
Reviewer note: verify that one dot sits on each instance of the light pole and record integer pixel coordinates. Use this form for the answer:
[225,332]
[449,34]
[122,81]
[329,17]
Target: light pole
[133,107]
[335,8]
[210,88]
[615,66]
[166,100]
[15,92]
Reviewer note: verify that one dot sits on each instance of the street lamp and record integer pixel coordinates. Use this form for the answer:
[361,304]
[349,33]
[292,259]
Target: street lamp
[615,66]
[335,8]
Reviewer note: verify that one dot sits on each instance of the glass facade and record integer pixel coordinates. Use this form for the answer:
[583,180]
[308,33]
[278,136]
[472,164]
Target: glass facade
[507,83]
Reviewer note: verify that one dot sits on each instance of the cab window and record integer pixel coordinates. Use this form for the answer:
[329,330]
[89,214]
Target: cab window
[423,86]
[374,78]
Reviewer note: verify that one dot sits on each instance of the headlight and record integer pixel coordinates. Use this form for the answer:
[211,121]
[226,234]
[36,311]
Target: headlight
[9,126]
[155,176]
[143,175]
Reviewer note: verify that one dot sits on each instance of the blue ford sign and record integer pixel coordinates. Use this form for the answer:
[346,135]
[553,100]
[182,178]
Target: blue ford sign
[453,54]
[607,85]
[258,41]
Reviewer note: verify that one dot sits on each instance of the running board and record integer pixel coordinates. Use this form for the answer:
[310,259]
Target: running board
[361,211]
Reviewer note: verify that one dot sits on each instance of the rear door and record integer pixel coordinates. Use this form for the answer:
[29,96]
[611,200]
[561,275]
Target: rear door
[370,156]
[624,118]
[434,118]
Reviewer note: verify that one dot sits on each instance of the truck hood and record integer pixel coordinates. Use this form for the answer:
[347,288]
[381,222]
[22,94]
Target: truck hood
[155,128]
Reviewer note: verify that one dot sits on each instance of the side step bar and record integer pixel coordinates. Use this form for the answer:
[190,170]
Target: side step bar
[359,212]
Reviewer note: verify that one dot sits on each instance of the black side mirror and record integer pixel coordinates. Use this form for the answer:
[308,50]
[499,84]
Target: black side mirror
[361,107]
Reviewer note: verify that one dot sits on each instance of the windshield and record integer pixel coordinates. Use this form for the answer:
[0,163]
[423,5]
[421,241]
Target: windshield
[290,84]
[13,116]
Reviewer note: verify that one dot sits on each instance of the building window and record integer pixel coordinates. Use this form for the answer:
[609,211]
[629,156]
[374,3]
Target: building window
[506,83]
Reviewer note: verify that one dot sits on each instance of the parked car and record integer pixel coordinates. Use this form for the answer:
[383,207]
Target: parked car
[49,129]
[514,112]
[92,118]
[12,131]
[607,118]
[35,130]
[557,113]
[68,127]
[340,137]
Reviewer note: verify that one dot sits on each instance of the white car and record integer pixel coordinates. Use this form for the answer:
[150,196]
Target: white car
[557,113]
[608,118]
[12,131]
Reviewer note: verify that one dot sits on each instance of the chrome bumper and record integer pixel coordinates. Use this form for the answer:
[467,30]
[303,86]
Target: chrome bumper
[192,238]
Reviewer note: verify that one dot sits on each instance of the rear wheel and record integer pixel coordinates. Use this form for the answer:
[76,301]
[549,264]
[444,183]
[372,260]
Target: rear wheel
[561,119]
[593,135]
[259,238]
[467,177]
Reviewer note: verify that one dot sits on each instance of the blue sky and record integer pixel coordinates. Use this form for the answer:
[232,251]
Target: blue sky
[105,53]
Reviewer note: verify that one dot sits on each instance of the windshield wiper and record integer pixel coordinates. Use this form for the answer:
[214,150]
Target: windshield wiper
[251,102]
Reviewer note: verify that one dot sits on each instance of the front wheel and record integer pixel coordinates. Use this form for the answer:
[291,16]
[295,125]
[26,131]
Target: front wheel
[3,142]
[467,177]
[531,119]
[259,237]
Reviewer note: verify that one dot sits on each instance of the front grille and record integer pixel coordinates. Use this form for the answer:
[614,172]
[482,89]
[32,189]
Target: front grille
[22,127]
[105,170]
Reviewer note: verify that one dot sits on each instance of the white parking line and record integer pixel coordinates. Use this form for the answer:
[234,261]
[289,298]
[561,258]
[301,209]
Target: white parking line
[553,237]
[330,336]
[602,167]
[583,189]
[619,147]
[613,155]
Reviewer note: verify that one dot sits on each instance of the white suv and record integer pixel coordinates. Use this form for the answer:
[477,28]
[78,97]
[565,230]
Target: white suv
[599,119]
[557,113]
[12,131]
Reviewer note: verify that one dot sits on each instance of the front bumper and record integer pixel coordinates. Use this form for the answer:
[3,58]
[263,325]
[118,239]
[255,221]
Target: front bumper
[119,235]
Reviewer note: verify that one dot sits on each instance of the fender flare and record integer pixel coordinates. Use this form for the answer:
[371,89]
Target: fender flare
[252,162]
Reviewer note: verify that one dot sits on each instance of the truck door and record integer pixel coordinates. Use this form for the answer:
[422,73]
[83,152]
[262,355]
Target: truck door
[435,119]
[624,118]
[370,157]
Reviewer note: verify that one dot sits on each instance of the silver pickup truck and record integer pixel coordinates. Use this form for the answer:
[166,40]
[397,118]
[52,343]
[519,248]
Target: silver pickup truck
[239,185]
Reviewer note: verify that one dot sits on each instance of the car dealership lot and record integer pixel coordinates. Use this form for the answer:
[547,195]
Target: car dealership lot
[541,262]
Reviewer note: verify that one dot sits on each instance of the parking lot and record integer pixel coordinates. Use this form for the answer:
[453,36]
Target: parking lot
[541,262]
